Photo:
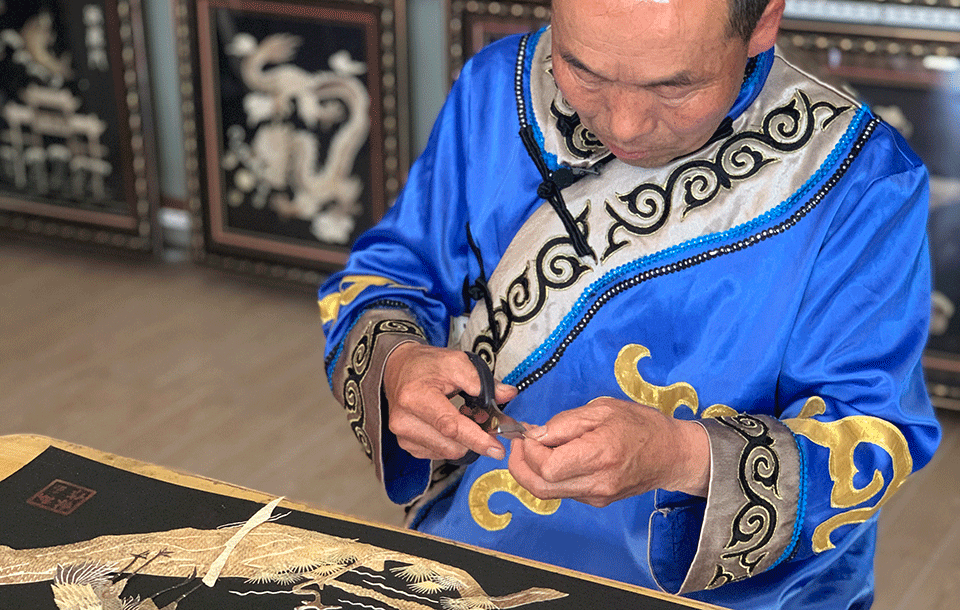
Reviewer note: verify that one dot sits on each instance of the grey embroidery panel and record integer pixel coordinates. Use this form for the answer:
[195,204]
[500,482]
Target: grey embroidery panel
[697,183]
[355,390]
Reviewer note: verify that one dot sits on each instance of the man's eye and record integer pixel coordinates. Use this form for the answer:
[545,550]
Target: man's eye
[675,92]
[588,79]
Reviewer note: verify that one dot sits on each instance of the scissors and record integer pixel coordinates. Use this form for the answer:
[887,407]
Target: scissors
[483,409]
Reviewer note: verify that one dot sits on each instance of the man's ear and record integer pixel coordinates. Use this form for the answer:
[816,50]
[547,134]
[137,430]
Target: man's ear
[765,34]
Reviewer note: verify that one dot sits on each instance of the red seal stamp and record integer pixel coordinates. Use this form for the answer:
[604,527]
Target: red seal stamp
[61,497]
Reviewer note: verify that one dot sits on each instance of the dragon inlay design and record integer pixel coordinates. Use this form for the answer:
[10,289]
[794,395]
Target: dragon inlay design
[300,562]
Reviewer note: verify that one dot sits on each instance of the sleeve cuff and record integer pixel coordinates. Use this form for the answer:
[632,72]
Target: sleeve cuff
[357,382]
[752,503]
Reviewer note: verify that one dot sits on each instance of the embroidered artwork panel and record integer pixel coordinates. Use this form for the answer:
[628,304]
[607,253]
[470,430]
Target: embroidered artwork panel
[139,543]
[76,158]
[910,79]
[298,136]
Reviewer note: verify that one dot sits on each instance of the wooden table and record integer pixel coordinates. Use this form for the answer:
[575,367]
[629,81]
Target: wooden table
[80,526]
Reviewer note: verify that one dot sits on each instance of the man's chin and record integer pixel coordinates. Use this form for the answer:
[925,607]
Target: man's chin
[641,158]
[646,161]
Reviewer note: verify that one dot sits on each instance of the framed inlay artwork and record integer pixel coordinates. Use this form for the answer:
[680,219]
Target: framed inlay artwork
[911,78]
[295,125]
[76,137]
[473,24]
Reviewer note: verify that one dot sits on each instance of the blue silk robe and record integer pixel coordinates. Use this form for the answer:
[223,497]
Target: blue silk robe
[773,286]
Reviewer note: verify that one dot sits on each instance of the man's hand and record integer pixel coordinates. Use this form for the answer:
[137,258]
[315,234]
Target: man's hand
[611,449]
[417,380]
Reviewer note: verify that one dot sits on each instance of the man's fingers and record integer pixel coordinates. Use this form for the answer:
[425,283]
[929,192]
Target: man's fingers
[423,441]
[563,428]
[446,424]
[464,374]
[419,382]
[505,393]
[568,461]
[427,442]
[581,488]
[430,453]
[415,370]
[468,380]
[438,412]
[439,427]
[469,434]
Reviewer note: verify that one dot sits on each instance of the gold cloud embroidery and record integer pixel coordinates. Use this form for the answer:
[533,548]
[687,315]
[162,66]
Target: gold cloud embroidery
[667,399]
[501,480]
[350,288]
[842,437]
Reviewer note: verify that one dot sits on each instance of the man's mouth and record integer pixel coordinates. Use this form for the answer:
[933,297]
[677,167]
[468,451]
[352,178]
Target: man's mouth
[629,155]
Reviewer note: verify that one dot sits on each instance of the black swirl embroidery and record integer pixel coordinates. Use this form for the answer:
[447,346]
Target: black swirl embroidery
[720,577]
[555,267]
[356,372]
[785,129]
[755,523]
[579,140]
[611,292]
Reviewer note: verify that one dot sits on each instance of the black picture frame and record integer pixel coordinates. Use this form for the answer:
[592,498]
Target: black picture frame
[921,15]
[911,78]
[473,24]
[295,129]
[77,156]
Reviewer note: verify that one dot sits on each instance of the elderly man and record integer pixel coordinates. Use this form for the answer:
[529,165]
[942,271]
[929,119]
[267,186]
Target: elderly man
[703,278]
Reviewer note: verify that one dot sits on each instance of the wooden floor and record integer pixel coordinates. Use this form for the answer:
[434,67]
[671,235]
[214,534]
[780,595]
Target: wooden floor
[215,375]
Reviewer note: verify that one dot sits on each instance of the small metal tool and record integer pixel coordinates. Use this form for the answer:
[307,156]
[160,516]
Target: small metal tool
[484,410]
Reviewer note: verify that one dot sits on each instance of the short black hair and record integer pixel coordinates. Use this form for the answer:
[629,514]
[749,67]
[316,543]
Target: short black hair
[744,15]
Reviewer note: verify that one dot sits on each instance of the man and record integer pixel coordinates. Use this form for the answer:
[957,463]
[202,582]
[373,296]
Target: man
[702,276]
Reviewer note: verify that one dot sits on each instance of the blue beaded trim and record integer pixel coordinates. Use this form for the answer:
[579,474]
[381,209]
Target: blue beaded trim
[801,509]
[757,68]
[525,96]
[578,317]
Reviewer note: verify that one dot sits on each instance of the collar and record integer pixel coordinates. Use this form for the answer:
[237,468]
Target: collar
[754,77]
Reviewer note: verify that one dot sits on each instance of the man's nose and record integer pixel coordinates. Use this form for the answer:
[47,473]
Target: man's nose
[631,116]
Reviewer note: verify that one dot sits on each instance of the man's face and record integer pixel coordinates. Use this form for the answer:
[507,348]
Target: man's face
[652,79]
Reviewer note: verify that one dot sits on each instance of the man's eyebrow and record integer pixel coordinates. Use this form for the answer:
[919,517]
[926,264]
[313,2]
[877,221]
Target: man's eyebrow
[579,65]
[681,79]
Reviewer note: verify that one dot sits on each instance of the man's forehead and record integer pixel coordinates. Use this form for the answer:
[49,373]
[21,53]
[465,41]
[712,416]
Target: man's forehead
[675,42]
[647,23]
[643,10]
